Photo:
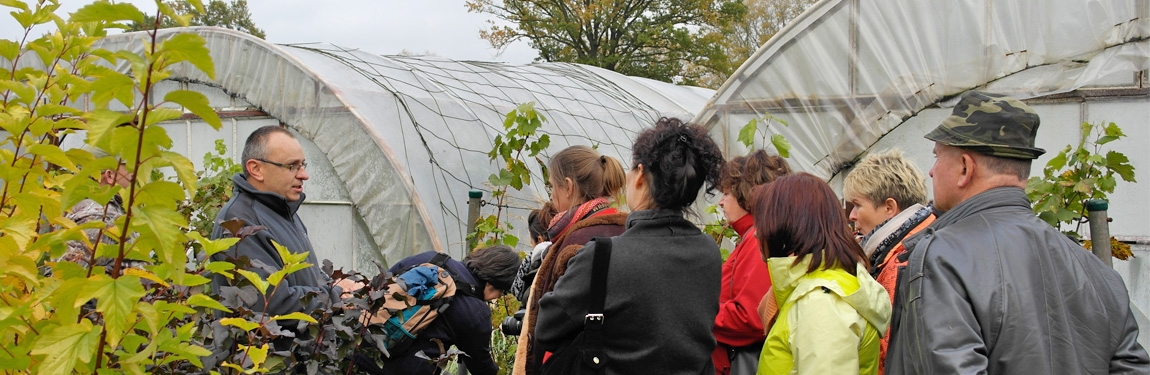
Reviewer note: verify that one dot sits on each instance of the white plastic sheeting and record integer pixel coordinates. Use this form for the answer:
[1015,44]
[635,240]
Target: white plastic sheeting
[409,136]
[848,72]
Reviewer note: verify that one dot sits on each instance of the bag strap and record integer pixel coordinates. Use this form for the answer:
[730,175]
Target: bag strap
[593,322]
[466,288]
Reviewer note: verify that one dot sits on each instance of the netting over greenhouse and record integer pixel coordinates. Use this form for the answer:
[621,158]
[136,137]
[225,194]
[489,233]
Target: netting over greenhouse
[408,137]
[848,72]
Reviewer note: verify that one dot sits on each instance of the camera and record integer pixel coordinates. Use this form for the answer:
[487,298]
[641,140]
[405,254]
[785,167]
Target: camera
[513,325]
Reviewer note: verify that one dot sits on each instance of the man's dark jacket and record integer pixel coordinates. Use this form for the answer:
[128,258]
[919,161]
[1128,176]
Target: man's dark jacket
[273,212]
[466,324]
[991,289]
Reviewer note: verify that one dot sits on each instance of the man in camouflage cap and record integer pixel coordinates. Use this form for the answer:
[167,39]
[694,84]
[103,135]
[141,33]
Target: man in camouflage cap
[990,288]
[89,210]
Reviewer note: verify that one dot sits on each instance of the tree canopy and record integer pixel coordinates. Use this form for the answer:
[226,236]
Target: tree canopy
[234,15]
[648,38]
[762,20]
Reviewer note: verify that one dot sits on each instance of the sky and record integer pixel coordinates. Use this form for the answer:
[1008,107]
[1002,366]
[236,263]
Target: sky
[386,27]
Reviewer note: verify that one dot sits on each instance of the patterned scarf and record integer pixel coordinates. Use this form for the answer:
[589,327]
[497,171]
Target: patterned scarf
[564,220]
[885,236]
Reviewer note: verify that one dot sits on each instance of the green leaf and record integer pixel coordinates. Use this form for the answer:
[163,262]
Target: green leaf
[781,144]
[296,316]
[211,247]
[160,230]
[201,300]
[1120,164]
[240,323]
[254,278]
[276,277]
[114,86]
[257,355]
[197,103]
[160,193]
[1112,130]
[64,346]
[1058,161]
[115,298]
[107,12]
[191,48]
[747,133]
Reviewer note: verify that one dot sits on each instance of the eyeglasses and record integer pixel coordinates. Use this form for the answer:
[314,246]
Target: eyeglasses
[293,167]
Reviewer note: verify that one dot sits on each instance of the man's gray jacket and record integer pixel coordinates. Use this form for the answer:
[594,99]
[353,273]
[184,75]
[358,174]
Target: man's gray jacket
[990,288]
[273,212]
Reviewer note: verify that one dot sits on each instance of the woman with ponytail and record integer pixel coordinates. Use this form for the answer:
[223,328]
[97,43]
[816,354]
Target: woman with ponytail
[584,185]
[663,275]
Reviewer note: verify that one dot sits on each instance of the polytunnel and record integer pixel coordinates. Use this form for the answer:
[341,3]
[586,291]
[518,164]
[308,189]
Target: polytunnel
[849,77]
[395,143]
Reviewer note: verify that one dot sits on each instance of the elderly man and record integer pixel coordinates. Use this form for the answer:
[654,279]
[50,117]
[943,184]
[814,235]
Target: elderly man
[267,194]
[990,288]
[89,210]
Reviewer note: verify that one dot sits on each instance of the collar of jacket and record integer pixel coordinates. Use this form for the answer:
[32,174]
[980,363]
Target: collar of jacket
[743,225]
[791,281]
[996,197]
[658,214]
[276,202]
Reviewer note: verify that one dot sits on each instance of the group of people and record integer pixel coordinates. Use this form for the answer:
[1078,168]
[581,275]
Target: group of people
[972,282]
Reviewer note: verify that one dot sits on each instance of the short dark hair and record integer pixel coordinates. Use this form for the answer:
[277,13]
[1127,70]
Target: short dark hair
[1015,167]
[256,145]
[539,220]
[800,215]
[677,158]
[496,265]
[741,175]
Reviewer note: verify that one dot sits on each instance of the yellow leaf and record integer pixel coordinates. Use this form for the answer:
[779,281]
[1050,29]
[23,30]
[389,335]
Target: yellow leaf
[64,346]
[296,316]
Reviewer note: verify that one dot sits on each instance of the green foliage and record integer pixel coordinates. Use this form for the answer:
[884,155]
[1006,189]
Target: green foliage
[59,317]
[1079,173]
[654,39]
[520,141]
[214,190]
[233,15]
[748,132]
[719,229]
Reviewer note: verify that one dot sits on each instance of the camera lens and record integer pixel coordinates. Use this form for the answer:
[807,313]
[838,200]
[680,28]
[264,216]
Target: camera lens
[511,326]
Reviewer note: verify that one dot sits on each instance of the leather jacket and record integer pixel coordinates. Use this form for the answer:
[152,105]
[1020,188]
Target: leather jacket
[990,288]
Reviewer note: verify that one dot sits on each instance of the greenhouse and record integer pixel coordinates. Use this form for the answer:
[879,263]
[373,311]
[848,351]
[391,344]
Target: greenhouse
[850,77]
[395,143]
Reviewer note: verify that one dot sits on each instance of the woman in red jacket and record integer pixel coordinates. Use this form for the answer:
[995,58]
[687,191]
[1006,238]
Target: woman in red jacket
[738,327]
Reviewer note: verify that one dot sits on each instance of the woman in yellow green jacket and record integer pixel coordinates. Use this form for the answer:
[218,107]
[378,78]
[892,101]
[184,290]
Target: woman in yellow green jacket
[831,312]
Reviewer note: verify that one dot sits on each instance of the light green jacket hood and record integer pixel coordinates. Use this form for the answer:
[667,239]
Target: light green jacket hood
[829,321]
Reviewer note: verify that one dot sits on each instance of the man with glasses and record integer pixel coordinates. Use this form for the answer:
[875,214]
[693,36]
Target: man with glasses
[266,196]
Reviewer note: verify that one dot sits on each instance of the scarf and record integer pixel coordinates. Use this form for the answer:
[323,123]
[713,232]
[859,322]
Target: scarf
[996,197]
[564,220]
[887,235]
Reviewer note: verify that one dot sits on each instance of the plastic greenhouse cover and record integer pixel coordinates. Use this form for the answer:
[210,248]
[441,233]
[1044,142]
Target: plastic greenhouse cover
[847,72]
[409,136]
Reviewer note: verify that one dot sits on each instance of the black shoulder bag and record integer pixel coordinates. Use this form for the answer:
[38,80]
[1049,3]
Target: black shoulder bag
[585,354]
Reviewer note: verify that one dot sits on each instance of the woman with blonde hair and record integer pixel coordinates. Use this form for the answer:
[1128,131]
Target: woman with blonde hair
[583,187]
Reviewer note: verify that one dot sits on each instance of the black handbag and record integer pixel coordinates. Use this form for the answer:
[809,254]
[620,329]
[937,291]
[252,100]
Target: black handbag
[585,354]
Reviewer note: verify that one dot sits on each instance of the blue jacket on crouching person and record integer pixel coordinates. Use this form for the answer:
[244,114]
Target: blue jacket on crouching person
[466,324]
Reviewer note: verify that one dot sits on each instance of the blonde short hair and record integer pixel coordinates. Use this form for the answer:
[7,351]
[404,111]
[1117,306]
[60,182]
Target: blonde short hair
[886,175]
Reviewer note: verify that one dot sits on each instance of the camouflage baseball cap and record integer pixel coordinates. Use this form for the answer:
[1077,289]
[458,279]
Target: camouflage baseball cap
[991,124]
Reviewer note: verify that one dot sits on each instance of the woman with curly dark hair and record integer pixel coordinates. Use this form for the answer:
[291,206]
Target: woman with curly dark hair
[663,275]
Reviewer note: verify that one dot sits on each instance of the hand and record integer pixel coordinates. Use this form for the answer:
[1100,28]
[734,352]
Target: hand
[349,286]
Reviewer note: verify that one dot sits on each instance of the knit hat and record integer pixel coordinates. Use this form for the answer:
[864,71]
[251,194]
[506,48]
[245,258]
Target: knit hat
[991,124]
